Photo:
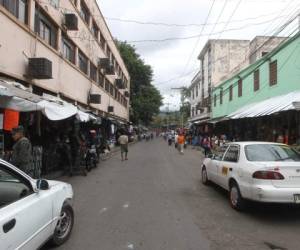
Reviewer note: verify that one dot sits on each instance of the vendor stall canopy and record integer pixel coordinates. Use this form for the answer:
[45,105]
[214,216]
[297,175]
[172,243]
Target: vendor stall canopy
[16,97]
[267,107]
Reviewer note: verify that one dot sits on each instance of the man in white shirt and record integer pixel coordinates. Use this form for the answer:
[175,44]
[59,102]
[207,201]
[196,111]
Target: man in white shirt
[123,140]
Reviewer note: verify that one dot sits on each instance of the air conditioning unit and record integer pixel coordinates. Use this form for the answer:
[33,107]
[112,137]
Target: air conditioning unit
[95,98]
[40,68]
[103,63]
[119,83]
[110,109]
[110,70]
[127,94]
[71,21]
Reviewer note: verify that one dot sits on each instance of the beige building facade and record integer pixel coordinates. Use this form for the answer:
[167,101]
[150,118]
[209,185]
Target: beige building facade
[220,59]
[74,37]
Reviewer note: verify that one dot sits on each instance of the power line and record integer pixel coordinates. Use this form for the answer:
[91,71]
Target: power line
[229,19]
[153,23]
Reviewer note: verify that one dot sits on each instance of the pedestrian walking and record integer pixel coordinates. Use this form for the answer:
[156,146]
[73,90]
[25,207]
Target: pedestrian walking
[206,145]
[22,151]
[181,141]
[123,141]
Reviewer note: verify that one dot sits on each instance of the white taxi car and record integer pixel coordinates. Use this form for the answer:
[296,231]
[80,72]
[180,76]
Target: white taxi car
[259,171]
[33,211]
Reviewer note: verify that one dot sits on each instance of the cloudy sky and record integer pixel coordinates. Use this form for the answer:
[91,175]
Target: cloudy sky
[175,61]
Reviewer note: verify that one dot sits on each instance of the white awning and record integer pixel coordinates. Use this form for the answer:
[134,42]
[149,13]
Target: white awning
[15,96]
[85,117]
[267,107]
[57,111]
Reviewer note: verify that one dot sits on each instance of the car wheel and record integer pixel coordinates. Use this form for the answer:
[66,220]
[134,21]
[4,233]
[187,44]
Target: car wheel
[236,200]
[64,226]
[204,177]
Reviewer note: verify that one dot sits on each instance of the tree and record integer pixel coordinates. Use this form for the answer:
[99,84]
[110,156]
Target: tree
[145,98]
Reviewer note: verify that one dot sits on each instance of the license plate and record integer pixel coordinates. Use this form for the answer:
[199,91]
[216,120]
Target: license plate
[297,198]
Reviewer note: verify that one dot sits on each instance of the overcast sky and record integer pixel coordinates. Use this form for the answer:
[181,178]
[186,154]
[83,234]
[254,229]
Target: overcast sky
[177,58]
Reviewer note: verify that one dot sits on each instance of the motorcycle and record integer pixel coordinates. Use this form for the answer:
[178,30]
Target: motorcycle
[91,157]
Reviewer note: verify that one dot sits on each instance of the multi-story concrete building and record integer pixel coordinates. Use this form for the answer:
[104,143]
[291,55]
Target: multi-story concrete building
[220,59]
[79,63]
[217,59]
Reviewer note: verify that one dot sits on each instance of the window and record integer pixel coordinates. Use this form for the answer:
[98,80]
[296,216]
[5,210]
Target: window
[106,85]
[102,41]
[16,7]
[215,100]
[196,91]
[119,97]
[256,80]
[111,89]
[55,3]
[220,153]
[85,14]
[232,154]
[240,87]
[230,92]
[82,62]
[221,96]
[271,152]
[68,49]
[93,72]
[13,187]
[95,30]
[116,93]
[273,73]
[100,79]
[45,28]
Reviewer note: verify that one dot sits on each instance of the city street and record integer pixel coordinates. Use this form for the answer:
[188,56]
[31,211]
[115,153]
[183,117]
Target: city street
[155,201]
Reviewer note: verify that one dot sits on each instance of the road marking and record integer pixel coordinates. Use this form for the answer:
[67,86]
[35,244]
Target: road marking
[126,205]
[103,210]
[130,246]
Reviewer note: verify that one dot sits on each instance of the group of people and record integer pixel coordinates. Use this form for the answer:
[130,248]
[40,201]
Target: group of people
[69,149]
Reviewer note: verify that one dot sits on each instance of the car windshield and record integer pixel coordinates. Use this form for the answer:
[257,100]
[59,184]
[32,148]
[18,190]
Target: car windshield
[270,152]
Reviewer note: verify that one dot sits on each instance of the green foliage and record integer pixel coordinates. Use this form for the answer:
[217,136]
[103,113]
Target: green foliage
[145,98]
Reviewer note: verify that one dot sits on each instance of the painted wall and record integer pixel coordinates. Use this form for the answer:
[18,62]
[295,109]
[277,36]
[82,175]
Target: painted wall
[288,79]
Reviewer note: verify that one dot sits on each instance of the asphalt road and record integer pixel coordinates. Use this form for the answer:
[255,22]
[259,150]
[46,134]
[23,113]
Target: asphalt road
[155,201]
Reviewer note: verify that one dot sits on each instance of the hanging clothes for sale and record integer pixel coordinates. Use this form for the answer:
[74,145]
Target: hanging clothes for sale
[11,119]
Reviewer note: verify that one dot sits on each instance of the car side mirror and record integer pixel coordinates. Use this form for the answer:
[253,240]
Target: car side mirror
[42,184]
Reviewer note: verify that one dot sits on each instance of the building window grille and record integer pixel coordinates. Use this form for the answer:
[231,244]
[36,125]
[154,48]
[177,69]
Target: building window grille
[100,79]
[273,73]
[93,72]
[106,85]
[230,92]
[102,41]
[19,8]
[85,14]
[215,100]
[82,62]
[111,89]
[95,30]
[68,49]
[45,28]
[240,87]
[256,80]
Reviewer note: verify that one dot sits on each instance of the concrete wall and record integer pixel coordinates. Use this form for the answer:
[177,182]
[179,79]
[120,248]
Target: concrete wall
[18,42]
[288,67]
[263,44]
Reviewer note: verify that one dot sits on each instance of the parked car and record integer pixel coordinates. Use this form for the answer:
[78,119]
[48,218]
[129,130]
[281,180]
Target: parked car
[33,211]
[258,171]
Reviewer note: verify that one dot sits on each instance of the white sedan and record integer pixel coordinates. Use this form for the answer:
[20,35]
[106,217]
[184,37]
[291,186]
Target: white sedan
[259,171]
[33,211]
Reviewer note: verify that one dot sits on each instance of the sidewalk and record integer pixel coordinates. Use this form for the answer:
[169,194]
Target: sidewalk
[59,173]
